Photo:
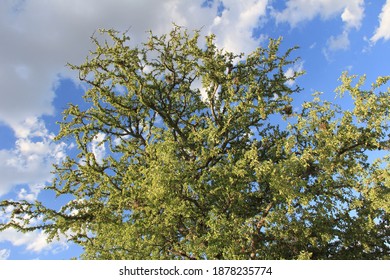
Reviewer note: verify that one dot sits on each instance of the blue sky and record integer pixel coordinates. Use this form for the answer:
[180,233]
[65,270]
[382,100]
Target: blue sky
[40,36]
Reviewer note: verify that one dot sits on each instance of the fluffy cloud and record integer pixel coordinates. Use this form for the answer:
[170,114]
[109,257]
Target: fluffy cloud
[30,162]
[34,241]
[42,36]
[31,194]
[383,31]
[353,13]
[235,25]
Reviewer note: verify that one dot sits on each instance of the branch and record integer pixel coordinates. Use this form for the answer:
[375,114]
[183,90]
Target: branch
[261,223]
[384,145]
[182,254]
[212,104]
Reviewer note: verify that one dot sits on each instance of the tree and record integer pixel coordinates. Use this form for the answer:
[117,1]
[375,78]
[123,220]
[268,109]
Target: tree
[207,159]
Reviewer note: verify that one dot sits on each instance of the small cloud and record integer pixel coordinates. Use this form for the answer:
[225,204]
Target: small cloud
[383,30]
[298,67]
[98,148]
[326,54]
[30,195]
[367,48]
[117,141]
[22,71]
[340,42]
[197,85]
[4,254]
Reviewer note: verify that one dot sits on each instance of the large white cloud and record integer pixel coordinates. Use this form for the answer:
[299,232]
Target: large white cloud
[42,36]
[383,30]
[235,25]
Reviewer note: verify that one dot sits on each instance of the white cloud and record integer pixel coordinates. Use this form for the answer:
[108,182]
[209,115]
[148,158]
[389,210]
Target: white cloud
[297,11]
[98,147]
[31,194]
[235,25]
[353,14]
[4,254]
[30,127]
[297,67]
[340,42]
[383,30]
[42,36]
[30,162]
[33,241]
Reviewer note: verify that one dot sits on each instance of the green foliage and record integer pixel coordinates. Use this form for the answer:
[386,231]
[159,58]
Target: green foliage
[206,159]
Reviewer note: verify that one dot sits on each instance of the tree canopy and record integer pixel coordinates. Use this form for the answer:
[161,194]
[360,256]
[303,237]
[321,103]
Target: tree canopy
[206,158]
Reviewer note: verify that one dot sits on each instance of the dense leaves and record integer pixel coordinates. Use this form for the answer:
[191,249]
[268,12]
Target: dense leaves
[205,158]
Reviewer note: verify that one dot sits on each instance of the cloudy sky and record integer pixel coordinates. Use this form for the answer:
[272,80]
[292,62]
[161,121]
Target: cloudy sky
[40,36]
